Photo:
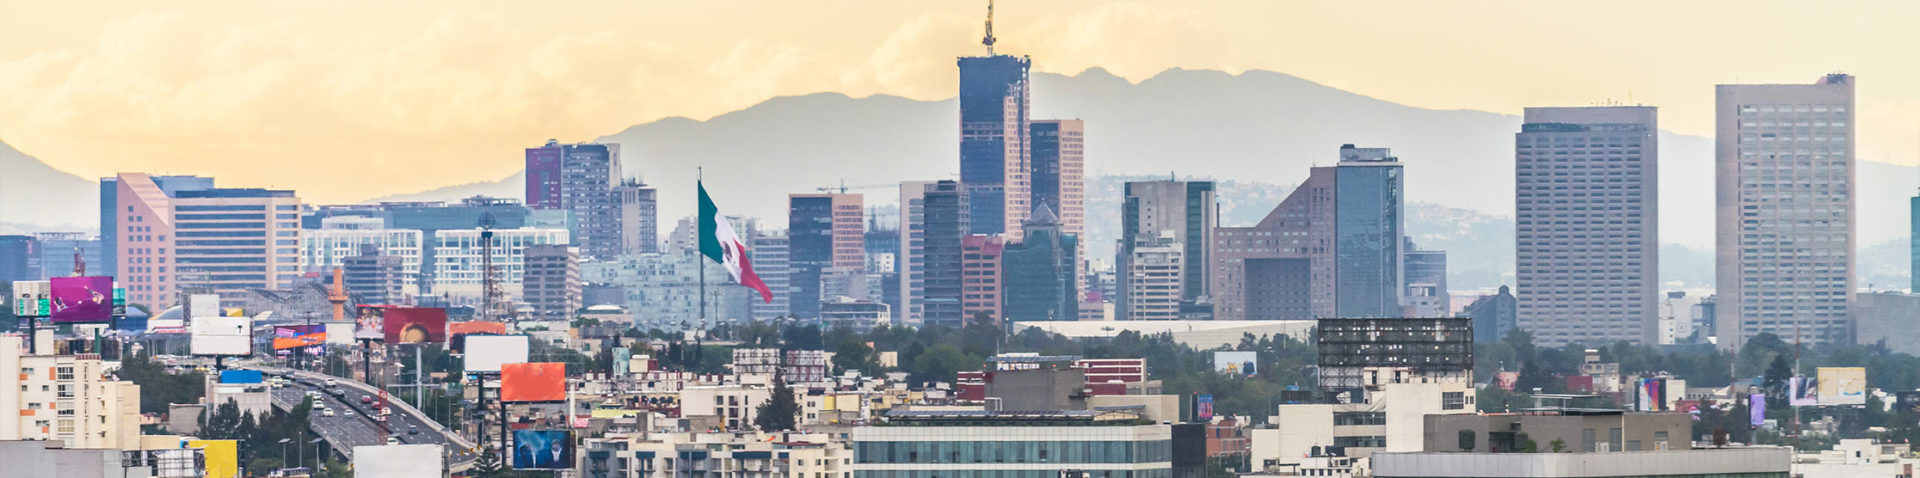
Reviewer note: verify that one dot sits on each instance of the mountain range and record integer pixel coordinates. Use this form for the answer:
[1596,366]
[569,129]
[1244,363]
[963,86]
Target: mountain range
[1259,129]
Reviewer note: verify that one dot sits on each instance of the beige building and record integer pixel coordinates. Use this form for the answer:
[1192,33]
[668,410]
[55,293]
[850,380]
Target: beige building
[1577,430]
[1784,210]
[65,398]
[1390,415]
[552,281]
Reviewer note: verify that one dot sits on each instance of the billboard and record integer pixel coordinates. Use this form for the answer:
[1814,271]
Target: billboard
[542,450]
[222,457]
[1803,391]
[1843,386]
[489,352]
[1236,363]
[82,299]
[220,336]
[414,325]
[340,333]
[367,323]
[296,336]
[533,382]
[1203,407]
[32,298]
[458,331]
[1756,410]
[397,461]
[241,376]
[203,305]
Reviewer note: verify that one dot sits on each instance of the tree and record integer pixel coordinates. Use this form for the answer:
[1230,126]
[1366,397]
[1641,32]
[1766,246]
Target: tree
[941,362]
[780,411]
[1778,373]
[1559,446]
[854,355]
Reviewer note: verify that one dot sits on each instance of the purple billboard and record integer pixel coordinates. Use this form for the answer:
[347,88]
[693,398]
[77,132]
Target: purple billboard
[82,299]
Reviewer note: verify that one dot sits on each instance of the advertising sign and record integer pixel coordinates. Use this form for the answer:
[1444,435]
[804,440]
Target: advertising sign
[396,461]
[1203,407]
[82,299]
[542,450]
[457,332]
[288,337]
[368,324]
[533,382]
[241,376]
[213,336]
[621,360]
[222,456]
[414,325]
[488,352]
[1803,391]
[339,333]
[1756,410]
[1843,386]
[119,302]
[32,298]
[203,305]
[1237,363]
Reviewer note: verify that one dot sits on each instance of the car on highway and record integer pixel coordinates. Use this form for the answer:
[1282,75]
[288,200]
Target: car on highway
[346,413]
[413,430]
[366,400]
[326,412]
[331,383]
[393,440]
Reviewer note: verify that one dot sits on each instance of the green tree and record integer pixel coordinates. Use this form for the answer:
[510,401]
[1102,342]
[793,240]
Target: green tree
[780,411]
[941,361]
[854,355]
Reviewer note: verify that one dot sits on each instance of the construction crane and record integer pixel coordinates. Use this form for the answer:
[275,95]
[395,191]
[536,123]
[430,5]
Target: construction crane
[988,40]
[843,187]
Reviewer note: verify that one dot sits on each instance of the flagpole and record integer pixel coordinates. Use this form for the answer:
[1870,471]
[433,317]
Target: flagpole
[699,174]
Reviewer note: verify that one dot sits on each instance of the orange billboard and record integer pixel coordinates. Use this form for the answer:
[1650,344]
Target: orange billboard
[533,382]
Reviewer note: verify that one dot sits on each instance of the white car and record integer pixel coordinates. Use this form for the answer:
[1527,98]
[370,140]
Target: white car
[393,440]
[326,412]
[346,413]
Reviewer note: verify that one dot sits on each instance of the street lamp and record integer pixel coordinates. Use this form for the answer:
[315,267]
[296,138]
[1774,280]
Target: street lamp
[319,460]
[283,451]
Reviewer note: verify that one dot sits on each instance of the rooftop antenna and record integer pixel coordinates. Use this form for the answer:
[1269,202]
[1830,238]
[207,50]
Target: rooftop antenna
[988,40]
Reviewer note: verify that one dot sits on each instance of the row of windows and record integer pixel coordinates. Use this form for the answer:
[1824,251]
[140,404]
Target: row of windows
[1014,452]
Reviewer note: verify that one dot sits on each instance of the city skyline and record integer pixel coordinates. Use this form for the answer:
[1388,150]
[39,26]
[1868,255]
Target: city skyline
[891,50]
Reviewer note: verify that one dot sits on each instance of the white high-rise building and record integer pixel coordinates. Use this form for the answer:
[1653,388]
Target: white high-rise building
[458,258]
[1587,227]
[769,259]
[1784,160]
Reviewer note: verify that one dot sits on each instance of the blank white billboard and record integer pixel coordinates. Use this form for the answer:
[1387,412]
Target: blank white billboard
[486,353]
[397,461]
[340,333]
[220,335]
[203,305]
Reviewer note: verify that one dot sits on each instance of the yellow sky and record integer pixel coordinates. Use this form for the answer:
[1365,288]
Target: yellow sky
[350,99]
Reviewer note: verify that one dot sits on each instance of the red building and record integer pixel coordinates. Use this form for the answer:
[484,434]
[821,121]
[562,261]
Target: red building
[980,276]
[1227,436]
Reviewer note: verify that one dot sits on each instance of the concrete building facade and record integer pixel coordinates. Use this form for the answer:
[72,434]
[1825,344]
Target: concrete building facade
[551,282]
[1178,214]
[1588,242]
[1784,210]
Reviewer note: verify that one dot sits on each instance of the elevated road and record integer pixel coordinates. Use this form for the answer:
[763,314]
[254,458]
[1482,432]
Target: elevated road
[353,423]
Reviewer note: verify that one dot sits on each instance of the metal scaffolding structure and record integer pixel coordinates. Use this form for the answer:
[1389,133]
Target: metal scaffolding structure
[1430,346]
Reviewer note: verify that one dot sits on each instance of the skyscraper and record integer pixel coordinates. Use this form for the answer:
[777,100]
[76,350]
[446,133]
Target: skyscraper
[1587,227]
[639,218]
[980,276]
[1426,294]
[1784,158]
[185,235]
[994,150]
[1059,164]
[1038,273]
[1368,225]
[586,176]
[57,250]
[1169,213]
[19,258]
[375,278]
[935,219]
[112,212]
[552,281]
[823,231]
[1281,268]
[768,254]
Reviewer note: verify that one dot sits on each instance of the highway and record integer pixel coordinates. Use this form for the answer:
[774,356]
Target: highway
[345,432]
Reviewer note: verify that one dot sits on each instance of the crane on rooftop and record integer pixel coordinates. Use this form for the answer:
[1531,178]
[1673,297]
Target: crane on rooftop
[988,40]
[843,187]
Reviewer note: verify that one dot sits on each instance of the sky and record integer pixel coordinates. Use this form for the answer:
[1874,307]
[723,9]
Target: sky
[349,100]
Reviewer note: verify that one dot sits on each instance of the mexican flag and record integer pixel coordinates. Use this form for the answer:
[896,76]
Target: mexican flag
[718,242]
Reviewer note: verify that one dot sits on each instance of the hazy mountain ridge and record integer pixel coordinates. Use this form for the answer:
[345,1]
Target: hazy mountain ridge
[35,197]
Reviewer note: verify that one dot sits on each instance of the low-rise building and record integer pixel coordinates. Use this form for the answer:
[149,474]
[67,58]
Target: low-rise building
[669,454]
[1743,462]
[70,399]
[1559,430]
[1006,443]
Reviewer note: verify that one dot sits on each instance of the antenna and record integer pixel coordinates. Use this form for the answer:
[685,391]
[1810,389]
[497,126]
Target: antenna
[988,40]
